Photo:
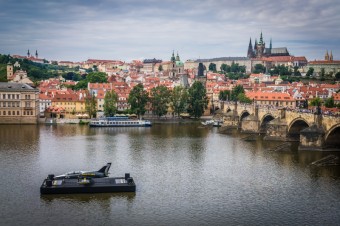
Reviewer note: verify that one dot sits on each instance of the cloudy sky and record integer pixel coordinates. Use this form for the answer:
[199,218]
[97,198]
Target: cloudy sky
[137,29]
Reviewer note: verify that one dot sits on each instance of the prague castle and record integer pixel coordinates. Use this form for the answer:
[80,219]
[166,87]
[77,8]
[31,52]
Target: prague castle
[260,49]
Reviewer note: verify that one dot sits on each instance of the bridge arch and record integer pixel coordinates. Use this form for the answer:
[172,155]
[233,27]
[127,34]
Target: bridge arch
[332,136]
[296,126]
[244,114]
[264,122]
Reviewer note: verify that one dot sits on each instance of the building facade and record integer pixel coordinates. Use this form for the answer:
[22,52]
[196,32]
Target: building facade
[19,104]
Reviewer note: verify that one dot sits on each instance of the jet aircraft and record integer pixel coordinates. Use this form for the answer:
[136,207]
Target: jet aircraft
[103,172]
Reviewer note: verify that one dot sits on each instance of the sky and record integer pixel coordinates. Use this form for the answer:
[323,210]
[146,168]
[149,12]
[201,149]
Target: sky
[77,30]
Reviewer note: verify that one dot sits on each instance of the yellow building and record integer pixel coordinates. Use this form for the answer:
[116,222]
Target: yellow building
[19,103]
[70,103]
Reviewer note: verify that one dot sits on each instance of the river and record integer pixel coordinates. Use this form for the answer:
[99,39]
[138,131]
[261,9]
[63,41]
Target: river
[185,175]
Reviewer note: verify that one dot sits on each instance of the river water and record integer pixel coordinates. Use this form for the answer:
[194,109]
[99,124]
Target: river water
[185,175]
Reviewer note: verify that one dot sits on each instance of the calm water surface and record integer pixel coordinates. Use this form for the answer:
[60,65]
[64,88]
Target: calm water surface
[185,175]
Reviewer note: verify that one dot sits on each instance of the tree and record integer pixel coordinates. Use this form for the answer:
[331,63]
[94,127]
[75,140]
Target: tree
[160,68]
[224,95]
[212,67]
[110,103]
[91,104]
[197,99]
[259,68]
[315,102]
[243,98]
[225,68]
[160,97]
[322,72]
[337,76]
[178,99]
[296,71]
[235,92]
[138,99]
[310,72]
[329,102]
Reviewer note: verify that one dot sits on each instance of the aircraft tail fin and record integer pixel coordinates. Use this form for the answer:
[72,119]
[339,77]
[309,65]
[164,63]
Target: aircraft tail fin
[105,169]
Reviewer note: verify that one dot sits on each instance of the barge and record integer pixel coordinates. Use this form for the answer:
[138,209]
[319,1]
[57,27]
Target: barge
[51,185]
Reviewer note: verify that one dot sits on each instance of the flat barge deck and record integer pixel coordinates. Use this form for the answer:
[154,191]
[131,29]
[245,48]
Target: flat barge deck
[91,185]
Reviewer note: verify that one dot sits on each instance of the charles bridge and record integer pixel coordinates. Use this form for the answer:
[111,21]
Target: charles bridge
[314,130]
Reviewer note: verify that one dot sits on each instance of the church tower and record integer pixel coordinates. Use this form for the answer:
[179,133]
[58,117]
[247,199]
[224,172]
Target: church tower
[28,53]
[250,53]
[260,47]
[9,70]
[331,56]
[327,56]
[36,54]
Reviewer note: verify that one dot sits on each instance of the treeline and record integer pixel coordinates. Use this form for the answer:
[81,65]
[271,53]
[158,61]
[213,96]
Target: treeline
[159,101]
[233,71]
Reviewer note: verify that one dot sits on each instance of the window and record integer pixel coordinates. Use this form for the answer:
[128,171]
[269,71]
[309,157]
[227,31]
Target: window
[13,96]
[3,96]
[13,112]
[18,113]
[27,104]
[18,96]
[13,104]
[8,96]
[4,112]
[9,112]
[18,104]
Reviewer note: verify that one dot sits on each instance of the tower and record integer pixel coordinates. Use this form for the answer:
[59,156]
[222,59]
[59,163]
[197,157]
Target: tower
[173,59]
[255,48]
[331,56]
[327,56]
[36,54]
[260,47]
[28,53]
[250,53]
[177,57]
[9,70]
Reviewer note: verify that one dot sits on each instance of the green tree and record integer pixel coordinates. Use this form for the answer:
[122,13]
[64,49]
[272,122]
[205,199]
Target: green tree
[243,98]
[259,68]
[337,76]
[322,72]
[225,68]
[329,102]
[310,72]
[91,104]
[212,67]
[224,95]
[235,92]
[138,99]
[197,100]
[296,71]
[178,100]
[160,68]
[160,98]
[110,103]
[315,101]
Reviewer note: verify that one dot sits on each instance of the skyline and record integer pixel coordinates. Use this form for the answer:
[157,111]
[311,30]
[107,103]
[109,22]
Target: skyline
[127,30]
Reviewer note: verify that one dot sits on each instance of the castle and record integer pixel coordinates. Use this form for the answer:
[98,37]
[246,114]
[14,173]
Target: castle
[260,49]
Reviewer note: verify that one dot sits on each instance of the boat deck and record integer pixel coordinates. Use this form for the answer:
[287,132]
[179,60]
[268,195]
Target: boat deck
[93,185]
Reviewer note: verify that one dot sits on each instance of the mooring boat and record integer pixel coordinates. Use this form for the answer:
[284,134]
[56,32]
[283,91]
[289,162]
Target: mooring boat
[119,121]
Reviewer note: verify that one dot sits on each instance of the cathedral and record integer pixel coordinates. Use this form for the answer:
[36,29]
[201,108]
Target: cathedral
[260,49]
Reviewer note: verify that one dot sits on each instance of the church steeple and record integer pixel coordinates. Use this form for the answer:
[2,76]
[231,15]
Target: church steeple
[177,57]
[36,54]
[326,56]
[28,53]
[331,56]
[270,44]
[261,39]
[173,59]
[250,52]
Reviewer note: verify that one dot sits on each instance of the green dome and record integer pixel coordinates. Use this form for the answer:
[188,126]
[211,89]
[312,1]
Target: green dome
[179,64]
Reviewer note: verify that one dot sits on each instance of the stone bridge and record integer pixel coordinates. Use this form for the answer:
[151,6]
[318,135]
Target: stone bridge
[314,131]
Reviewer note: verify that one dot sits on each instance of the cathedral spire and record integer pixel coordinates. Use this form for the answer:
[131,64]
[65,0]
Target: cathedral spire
[250,52]
[270,44]
[261,39]
[28,53]
[331,56]
[36,54]
[326,56]
[177,57]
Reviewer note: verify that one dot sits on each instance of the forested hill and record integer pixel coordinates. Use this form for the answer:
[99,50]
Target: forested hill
[35,71]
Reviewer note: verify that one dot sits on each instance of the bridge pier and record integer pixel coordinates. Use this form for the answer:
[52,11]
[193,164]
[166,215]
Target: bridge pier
[276,130]
[312,138]
[250,124]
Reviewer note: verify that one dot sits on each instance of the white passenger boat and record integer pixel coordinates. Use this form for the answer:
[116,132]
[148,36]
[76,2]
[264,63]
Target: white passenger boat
[119,121]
